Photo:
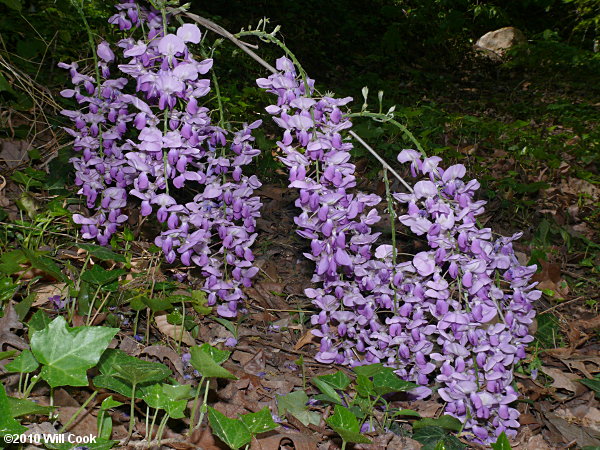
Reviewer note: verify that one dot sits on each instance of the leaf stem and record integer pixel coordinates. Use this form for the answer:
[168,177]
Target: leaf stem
[74,416]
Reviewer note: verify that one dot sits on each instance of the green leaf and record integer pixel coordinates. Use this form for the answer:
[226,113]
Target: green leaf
[22,308]
[113,384]
[364,386]
[338,380]
[10,262]
[22,407]
[502,443]
[548,331]
[329,393]
[99,276]
[593,384]
[259,422]
[344,423]
[202,360]
[131,370]
[157,304]
[232,432]
[8,425]
[218,356]
[405,412]
[45,264]
[368,371]
[102,253]
[7,354]
[295,403]
[431,437]
[7,289]
[177,397]
[199,303]
[228,324]
[38,322]
[446,422]
[109,403]
[387,381]
[67,353]
[24,363]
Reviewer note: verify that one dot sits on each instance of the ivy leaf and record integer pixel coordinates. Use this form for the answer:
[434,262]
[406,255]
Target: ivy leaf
[99,276]
[594,385]
[8,425]
[364,386]
[202,360]
[24,363]
[368,371]
[502,443]
[22,407]
[431,436]
[295,404]
[259,422]
[329,393]
[131,370]
[113,384]
[45,264]
[405,412]
[387,381]
[102,253]
[67,353]
[338,380]
[446,422]
[7,354]
[232,432]
[10,262]
[38,322]
[344,423]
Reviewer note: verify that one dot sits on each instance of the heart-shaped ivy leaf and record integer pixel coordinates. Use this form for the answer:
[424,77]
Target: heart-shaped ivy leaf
[204,360]
[344,423]
[67,353]
[232,432]
[259,422]
[24,363]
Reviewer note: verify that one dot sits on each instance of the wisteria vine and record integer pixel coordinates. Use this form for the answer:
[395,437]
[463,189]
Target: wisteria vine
[145,136]
[457,314]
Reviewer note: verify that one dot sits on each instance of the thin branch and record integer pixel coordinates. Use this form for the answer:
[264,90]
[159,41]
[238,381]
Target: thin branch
[381,160]
[223,32]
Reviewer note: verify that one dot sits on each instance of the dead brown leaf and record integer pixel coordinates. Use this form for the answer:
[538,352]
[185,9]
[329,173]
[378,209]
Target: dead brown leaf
[562,380]
[572,431]
[163,352]
[256,366]
[306,339]
[9,323]
[175,332]
[276,441]
[45,291]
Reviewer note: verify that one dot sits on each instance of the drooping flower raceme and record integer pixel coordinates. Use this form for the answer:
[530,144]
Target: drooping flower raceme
[455,315]
[155,138]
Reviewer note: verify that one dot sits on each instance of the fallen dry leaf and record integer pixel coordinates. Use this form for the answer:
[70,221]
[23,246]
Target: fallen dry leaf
[45,291]
[175,332]
[163,352]
[307,338]
[561,379]
[276,441]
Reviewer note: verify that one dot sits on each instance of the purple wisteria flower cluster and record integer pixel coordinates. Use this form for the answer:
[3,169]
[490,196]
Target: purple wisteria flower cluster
[453,318]
[146,137]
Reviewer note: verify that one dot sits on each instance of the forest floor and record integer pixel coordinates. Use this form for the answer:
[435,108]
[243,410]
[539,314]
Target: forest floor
[533,145]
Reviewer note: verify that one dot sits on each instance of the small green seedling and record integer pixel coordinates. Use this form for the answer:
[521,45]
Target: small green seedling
[207,360]
[237,433]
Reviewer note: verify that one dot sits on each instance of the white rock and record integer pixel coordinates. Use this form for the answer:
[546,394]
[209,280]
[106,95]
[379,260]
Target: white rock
[495,43]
